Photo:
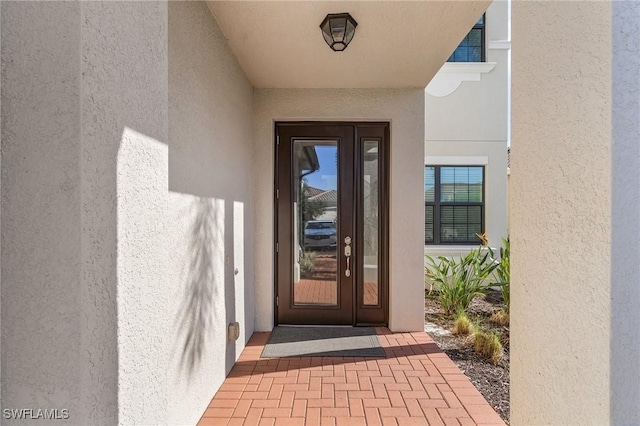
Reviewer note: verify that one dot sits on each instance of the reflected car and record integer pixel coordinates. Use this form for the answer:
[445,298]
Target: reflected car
[320,234]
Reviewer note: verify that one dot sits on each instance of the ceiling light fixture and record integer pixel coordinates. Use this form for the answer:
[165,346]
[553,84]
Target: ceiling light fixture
[338,30]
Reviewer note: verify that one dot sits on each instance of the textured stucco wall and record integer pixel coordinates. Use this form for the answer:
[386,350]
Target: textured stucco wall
[124,155]
[405,110]
[560,192]
[84,140]
[41,275]
[625,211]
[210,209]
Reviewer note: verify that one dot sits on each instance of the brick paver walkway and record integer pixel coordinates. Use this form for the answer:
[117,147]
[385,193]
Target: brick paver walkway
[325,292]
[415,384]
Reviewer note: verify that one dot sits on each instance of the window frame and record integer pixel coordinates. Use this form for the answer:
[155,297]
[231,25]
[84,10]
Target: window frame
[437,204]
[483,41]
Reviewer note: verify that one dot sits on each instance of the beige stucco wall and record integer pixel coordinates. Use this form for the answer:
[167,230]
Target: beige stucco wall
[560,192]
[405,110]
[210,227]
[398,44]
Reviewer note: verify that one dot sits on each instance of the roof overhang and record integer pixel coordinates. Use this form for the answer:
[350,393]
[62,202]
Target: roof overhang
[398,44]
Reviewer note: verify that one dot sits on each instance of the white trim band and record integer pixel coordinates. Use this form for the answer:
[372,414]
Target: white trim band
[457,160]
[500,45]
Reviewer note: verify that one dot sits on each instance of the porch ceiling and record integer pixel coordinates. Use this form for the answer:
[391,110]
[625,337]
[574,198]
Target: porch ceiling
[398,44]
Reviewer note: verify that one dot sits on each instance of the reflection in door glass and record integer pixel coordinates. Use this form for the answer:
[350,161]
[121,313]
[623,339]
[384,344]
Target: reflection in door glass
[315,179]
[371,221]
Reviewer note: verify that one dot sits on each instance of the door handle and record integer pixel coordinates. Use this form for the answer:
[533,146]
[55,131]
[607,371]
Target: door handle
[347,255]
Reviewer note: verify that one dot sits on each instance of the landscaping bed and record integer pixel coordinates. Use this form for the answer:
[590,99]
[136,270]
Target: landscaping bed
[491,380]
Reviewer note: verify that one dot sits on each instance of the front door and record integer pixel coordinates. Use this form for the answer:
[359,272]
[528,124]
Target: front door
[331,223]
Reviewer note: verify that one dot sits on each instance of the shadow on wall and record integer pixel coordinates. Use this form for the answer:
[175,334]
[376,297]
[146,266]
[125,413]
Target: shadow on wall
[195,315]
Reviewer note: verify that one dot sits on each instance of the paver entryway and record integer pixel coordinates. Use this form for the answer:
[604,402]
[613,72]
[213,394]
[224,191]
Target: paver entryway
[415,384]
[323,293]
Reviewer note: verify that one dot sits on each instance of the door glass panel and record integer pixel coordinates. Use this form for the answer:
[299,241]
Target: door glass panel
[371,221]
[315,202]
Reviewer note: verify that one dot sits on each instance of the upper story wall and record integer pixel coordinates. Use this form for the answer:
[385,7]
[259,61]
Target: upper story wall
[473,110]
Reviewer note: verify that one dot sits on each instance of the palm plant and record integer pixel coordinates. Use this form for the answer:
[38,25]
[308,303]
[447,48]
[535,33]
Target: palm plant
[502,273]
[459,281]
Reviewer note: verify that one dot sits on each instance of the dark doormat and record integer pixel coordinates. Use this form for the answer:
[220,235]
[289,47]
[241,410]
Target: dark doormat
[322,341]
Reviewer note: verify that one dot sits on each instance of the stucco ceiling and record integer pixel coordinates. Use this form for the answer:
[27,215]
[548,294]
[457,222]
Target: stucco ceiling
[397,44]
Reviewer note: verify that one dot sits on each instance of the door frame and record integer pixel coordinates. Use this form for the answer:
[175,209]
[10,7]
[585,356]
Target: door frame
[379,314]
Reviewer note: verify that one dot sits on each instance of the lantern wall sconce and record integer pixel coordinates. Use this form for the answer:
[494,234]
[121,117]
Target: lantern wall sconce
[338,30]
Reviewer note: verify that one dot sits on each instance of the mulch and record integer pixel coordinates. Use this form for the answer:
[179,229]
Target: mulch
[492,381]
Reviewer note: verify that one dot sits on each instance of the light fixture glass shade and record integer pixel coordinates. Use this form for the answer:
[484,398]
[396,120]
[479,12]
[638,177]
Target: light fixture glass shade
[338,30]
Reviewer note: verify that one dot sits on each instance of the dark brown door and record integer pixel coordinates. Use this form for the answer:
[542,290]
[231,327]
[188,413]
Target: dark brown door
[331,223]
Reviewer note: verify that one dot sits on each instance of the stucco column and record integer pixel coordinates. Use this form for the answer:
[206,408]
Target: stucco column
[575,217]
[84,128]
[625,211]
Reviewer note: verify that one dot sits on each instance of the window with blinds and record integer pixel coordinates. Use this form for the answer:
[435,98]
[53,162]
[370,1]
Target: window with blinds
[471,48]
[453,204]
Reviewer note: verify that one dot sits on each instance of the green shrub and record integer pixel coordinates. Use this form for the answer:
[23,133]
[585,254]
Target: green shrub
[307,263]
[502,273]
[459,281]
[462,324]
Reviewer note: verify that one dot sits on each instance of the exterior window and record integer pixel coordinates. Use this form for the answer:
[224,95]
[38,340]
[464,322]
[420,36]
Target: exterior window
[471,49]
[453,204]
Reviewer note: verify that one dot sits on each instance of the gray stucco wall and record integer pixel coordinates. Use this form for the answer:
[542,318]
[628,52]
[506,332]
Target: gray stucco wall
[41,260]
[124,205]
[84,130]
[0,206]
[127,197]
[210,209]
[625,211]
